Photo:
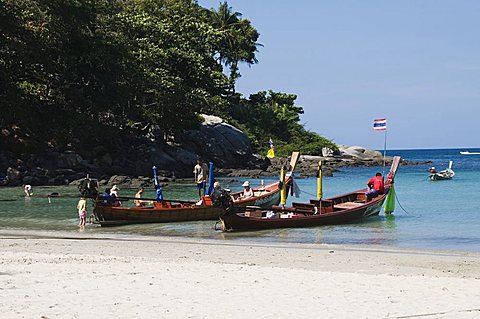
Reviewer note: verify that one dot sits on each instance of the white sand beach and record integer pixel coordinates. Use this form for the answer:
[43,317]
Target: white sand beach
[180,278]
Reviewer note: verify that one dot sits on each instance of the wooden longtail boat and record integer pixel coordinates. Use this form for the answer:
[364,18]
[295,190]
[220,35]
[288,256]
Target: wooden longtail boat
[160,212]
[179,211]
[342,209]
[176,211]
[447,173]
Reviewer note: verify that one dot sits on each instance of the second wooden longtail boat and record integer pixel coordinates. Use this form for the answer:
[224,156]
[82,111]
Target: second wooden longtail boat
[342,209]
[177,211]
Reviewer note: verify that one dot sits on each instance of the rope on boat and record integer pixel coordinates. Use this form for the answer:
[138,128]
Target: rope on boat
[313,195]
[399,204]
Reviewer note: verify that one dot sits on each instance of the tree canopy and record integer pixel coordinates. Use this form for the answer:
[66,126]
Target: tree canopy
[68,67]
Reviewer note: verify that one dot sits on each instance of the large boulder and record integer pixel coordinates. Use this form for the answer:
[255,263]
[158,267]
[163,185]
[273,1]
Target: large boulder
[373,153]
[56,160]
[220,142]
[131,153]
[359,152]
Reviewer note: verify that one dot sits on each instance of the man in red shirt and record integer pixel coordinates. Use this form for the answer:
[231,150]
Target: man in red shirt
[376,186]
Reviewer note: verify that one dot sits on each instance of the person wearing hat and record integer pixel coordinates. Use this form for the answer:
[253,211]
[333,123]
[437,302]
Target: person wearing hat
[247,190]
[432,170]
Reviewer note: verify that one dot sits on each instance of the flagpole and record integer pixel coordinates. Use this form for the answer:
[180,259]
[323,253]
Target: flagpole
[381,125]
[384,152]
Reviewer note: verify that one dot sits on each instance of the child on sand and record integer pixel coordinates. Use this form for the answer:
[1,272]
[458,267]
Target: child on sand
[82,211]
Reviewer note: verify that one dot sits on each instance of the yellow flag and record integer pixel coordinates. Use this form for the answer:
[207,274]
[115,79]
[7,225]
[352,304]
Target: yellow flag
[271,153]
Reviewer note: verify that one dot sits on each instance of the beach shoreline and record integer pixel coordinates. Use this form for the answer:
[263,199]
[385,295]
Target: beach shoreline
[86,276]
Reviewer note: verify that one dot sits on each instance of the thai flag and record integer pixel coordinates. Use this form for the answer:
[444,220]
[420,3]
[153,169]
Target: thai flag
[380,125]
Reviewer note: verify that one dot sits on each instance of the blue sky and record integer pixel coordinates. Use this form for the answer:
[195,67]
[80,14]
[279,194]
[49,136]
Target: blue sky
[415,62]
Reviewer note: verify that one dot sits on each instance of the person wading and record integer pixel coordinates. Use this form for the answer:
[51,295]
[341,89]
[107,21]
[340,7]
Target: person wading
[201,172]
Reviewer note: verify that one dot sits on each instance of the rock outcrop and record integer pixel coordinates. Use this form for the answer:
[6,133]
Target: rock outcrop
[125,158]
[128,155]
[307,166]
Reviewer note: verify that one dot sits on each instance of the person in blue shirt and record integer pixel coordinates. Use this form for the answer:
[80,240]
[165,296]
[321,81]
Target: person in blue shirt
[105,198]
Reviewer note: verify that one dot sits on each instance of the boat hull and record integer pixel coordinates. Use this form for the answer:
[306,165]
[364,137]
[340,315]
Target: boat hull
[441,176]
[124,215]
[262,202]
[347,208]
[266,196]
[239,222]
[435,177]
[470,153]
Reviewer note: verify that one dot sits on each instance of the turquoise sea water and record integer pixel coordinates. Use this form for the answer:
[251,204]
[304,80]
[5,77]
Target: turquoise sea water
[439,215]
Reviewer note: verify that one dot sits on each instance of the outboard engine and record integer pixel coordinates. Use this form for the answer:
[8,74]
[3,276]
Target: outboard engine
[222,198]
[88,187]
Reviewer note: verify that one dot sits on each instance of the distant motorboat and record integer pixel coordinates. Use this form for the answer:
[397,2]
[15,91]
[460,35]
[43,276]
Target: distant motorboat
[469,153]
[447,173]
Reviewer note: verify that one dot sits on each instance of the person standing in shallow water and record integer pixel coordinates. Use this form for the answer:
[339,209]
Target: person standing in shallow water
[82,211]
[201,172]
[27,189]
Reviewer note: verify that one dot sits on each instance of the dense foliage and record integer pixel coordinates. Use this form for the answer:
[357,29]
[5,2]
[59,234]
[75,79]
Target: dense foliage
[70,67]
[274,115]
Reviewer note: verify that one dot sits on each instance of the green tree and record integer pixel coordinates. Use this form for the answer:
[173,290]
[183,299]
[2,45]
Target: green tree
[172,46]
[266,115]
[238,39]
[75,69]
[56,62]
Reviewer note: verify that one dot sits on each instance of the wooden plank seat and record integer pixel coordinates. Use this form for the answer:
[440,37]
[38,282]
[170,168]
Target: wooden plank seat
[347,205]
[326,205]
[304,206]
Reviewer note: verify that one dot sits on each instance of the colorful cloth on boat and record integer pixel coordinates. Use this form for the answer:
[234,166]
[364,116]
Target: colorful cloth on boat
[159,194]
